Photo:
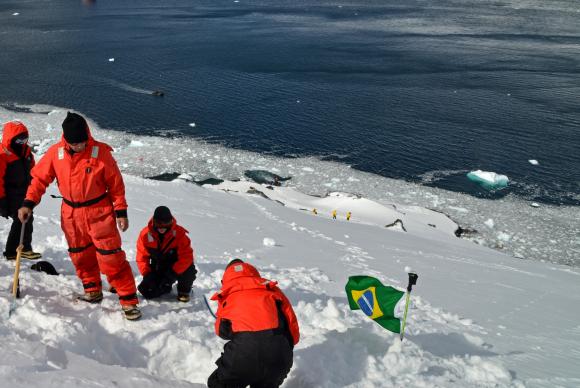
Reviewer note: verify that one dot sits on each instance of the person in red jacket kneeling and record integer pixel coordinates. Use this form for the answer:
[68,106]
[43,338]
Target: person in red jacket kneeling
[164,256]
[260,323]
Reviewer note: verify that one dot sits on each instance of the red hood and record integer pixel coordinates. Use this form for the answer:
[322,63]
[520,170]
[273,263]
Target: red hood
[10,131]
[241,276]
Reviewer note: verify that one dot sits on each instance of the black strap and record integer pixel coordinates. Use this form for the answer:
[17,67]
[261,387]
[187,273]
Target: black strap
[128,297]
[91,285]
[86,203]
[79,249]
[109,251]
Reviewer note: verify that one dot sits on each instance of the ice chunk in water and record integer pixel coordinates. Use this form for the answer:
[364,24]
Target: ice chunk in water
[534,162]
[489,180]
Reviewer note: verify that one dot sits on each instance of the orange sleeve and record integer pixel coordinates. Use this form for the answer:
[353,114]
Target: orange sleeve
[184,253]
[288,312]
[42,175]
[114,181]
[142,254]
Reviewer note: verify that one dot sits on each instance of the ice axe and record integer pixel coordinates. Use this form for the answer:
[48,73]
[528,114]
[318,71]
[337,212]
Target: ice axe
[412,281]
[15,282]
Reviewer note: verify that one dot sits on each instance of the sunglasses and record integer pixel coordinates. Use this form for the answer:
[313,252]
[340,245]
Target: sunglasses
[158,224]
[22,140]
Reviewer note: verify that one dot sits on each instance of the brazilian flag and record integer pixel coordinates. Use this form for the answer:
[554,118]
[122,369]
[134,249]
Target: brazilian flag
[377,301]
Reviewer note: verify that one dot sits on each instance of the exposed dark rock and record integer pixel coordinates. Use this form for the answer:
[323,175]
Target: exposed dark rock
[166,176]
[397,221]
[253,190]
[266,177]
[209,181]
[465,232]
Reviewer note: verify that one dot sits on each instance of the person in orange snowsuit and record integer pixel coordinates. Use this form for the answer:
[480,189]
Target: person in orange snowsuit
[165,256]
[16,161]
[93,206]
[258,319]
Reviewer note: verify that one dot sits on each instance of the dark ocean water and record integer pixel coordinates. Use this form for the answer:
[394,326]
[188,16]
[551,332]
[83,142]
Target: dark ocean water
[415,90]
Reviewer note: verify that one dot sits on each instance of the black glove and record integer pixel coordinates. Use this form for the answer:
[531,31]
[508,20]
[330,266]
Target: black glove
[149,286]
[166,282]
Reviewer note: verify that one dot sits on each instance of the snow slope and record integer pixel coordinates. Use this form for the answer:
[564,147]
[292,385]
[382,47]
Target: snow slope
[546,233]
[479,318]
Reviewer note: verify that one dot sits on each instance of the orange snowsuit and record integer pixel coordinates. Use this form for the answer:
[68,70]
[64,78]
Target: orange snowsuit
[93,196]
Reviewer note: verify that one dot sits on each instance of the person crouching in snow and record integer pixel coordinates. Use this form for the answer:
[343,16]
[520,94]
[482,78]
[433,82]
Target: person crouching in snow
[16,161]
[164,256]
[260,323]
[93,206]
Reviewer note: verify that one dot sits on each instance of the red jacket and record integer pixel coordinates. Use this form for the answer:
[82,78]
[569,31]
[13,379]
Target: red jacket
[173,251]
[251,303]
[14,176]
[81,176]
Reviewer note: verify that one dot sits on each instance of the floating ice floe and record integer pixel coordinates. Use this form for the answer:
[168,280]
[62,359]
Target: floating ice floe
[535,204]
[489,223]
[15,14]
[111,59]
[136,143]
[534,162]
[489,180]
[192,125]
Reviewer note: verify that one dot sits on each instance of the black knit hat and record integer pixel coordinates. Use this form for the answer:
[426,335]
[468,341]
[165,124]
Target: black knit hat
[75,128]
[163,215]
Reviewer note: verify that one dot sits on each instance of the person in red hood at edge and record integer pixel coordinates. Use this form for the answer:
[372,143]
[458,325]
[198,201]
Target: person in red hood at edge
[16,161]
[260,323]
[164,256]
[93,206]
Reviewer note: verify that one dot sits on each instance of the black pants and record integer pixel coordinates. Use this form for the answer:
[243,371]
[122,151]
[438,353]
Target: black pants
[258,359]
[14,235]
[153,284]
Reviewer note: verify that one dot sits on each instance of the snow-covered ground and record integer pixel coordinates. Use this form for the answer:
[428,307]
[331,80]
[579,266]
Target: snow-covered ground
[479,318]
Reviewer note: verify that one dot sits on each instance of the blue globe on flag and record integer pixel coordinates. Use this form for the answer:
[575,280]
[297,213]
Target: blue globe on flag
[366,302]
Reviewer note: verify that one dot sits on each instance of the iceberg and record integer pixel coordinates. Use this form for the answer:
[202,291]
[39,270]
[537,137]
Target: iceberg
[489,180]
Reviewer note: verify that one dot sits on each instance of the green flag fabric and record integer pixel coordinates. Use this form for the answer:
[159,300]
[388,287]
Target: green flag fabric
[377,301]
